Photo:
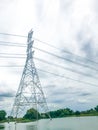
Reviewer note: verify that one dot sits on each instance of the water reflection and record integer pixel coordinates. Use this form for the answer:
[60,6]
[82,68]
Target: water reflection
[31,127]
[35,127]
[84,123]
[2,127]
[55,129]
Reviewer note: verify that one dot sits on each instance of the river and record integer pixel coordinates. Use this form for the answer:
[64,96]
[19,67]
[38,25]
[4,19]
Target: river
[68,123]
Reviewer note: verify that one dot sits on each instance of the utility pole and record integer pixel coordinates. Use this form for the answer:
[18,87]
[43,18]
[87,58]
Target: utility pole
[30,93]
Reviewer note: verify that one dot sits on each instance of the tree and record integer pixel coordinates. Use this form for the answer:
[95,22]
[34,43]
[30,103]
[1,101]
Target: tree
[61,113]
[77,113]
[96,108]
[31,114]
[2,115]
[68,111]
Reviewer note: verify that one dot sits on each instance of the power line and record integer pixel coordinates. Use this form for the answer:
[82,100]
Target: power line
[62,67]
[55,75]
[26,37]
[50,63]
[68,78]
[11,44]
[62,76]
[10,54]
[3,66]
[65,51]
[12,57]
[46,43]
[53,64]
[15,43]
[74,62]
[66,68]
[55,55]
[15,35]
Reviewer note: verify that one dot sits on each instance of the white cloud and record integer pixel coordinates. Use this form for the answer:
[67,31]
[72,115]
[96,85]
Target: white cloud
[68,25]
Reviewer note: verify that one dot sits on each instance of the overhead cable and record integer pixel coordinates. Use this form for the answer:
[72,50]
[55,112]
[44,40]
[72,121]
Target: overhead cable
[61,76]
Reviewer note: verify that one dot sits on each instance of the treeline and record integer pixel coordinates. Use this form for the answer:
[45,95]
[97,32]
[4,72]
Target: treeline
[68,112]
[2,115]
[32,114]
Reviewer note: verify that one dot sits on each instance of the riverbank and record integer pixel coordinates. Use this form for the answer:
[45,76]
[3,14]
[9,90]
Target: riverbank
[60,113]
[21,120]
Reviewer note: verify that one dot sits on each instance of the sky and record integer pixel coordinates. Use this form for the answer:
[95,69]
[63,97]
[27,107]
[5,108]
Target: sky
[69,25]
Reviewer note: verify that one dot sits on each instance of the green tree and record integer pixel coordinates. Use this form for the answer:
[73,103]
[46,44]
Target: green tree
[68,111]
[2,115]
[77,113]
[61,113]
[96,108]
[32,114]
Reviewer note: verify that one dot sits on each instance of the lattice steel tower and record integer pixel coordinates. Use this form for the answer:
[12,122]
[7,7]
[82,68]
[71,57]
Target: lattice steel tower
[30,93]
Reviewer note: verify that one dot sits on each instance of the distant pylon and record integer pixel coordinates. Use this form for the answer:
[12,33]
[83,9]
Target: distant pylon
[30,93]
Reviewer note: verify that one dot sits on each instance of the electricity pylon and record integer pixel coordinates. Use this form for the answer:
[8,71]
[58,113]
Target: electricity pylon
[30,93]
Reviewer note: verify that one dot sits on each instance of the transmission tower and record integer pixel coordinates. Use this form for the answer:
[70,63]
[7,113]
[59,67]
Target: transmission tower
[30,93]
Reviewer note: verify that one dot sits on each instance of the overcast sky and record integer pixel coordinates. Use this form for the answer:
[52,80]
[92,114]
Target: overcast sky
[70,25]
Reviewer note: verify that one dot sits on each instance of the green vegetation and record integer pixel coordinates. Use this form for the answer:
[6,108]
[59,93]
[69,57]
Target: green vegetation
[67,112]
[2,115]
[61,113]
[32,114]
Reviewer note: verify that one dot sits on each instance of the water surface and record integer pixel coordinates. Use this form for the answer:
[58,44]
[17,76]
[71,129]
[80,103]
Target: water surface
[69,123]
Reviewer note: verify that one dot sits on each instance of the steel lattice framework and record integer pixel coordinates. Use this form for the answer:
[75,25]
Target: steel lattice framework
[30,93]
